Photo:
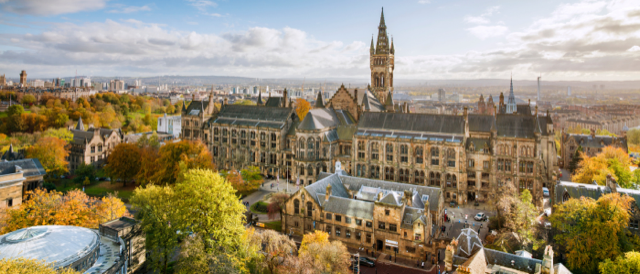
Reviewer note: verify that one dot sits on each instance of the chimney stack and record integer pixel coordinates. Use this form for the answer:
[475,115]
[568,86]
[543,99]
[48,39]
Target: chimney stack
[326,198]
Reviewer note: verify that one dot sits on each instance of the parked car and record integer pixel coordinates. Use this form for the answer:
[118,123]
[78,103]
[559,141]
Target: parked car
[480,217]
[452,204]
[366,261]
[545,192]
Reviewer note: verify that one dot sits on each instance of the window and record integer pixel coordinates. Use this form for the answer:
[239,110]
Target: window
[381,225]
[451,157]
[374,151]
[368,238]
[296,206]
[338,218]
[337,231]
[347,220]
[472,163]
[419,177]
[295,224]
[358,222]
[634,224]
[389,152]
[347,234]
[93,149]
[369,224]
[328,216]
[361,147]
[358,236]
[375,172]
[93,159]
[386,212]
[419,157]
[328,229]
[418,236]
[99,148]
[309,209]
[9,202]
[435,154]
[389,173]
[404,150]
[393,227]
[485,164]
[434,179]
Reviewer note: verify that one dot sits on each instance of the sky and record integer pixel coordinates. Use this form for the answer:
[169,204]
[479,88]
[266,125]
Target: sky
[434,39]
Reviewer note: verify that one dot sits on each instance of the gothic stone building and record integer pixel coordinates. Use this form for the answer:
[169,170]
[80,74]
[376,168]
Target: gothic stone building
[92,146]
[361,212]
[591,144]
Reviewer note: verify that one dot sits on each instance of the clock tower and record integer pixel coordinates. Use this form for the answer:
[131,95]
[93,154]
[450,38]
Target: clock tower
[381,63]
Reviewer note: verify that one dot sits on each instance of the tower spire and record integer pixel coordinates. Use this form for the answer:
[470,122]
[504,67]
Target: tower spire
[373,49]
[382,25]
[382,46]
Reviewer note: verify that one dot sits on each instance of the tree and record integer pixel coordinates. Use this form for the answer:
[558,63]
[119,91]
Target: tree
[148,159]
[51,153]
[83,171]
[194,259]
[324,256]
[629,264]
[251,175]
[28,99]
[124,162]
[274,247]
[111,208]
[611,161]
[207,206]
[302,108]
[186,153]
[245,103]
[155,206]
[277,205]
[591,231]
[503,200]
[54,208]
[31,266]
[575,160]
[60,133]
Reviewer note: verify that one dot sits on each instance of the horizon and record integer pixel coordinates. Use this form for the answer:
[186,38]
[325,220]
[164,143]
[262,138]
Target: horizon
[435,40]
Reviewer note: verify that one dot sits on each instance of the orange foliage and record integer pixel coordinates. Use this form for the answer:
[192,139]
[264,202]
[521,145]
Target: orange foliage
[302,108]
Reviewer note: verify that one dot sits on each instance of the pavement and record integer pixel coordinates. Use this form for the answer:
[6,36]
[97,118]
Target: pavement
[269,186]
[462,217]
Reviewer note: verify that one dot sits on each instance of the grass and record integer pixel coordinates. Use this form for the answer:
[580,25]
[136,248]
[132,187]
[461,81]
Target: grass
[257,207]
[98,189]
[275,225]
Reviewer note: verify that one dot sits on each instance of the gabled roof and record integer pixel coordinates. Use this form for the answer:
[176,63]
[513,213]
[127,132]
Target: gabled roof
[30,167]
[319,101]
[321,118]
[412,122]
[348,207]
[468,243]
[275,101]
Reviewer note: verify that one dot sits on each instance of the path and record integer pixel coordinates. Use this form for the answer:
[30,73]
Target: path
[266,189]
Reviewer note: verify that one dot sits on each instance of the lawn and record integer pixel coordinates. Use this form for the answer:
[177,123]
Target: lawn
[259,207]
[99,189]
[275,225]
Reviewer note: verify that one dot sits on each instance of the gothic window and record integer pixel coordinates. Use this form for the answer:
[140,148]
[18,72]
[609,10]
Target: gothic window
[419,177]
[374,151]
[401,175]
[389,173]
[375,172]
[451,157]
[390,152]
[310,149]
[435,156]
[309,170]
[361,149]
[263,140]
[419,157]
[309,209]
[404,150]
[273,140]
[296,206]
[301,170]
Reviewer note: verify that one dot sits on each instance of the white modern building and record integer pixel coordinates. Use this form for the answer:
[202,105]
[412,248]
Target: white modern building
[170,125]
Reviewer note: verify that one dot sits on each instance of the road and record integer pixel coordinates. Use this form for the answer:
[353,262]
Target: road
[386,268]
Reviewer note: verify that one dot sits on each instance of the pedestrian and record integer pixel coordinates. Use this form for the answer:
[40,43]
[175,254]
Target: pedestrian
[422,264]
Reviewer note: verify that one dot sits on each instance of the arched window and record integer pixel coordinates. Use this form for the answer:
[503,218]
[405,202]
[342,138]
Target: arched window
[301,170]
[375,172]
[435,156]
[309,170]
[296,206]
[309,209]
[401,173]
[310,149]
[243,134]
[389,173]
[375,152]
[389,152]
[419,156]
[566,197]
[263,136]
[419,177]
[358,170]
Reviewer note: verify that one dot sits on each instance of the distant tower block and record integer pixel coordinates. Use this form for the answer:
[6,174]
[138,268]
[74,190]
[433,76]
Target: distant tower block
[23,78]
[539,88]
[568,91]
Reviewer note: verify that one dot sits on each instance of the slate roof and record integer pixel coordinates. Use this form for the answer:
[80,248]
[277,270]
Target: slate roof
[371,102]
[30,167]
[495,257]
[468,243]
[481,123]
[349,207]
[523,109]
[195,107]
[600,141]
[577,190]
[412,215]
[79,136]
[513,125]
[412,122]
[275,101]
[321,118]
[346,132]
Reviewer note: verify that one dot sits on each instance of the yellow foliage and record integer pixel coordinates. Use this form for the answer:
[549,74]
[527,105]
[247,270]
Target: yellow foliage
[30,266]
[319,237]
[302,108]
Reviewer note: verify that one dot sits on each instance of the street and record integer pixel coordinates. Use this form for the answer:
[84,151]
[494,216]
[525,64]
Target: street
[387,268]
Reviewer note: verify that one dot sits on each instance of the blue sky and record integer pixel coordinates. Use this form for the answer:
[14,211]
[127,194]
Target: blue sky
[568,40]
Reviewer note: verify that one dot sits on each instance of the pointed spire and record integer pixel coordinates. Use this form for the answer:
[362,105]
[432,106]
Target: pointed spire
[389,101]
[373,49]
[80,126]
[259,103]
[11,148]
[319,101]
[365,101]
[393,51]
[382,24]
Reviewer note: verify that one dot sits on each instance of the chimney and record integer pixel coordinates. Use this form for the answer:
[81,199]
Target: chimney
[464,113]
[547,261]
[536,111]
[326,198]
[407,196]
[284,98]
[226,101]
[379,196]
[355,93]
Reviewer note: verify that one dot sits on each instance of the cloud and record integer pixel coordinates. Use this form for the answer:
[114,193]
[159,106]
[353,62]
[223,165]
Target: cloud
[634,48]
[202,5]
[50,7]
[424,1]
[130,9]
[484,17]
[484,32]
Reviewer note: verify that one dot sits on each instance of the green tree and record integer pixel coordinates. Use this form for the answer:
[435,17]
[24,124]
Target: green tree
[15,110]
[155,206]
[28,99]
[629,264]
[83,171]
[575,160]
[172,155]
[590,231]
[60,133]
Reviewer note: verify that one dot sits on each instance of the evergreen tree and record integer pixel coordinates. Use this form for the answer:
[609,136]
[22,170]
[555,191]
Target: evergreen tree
[575,160]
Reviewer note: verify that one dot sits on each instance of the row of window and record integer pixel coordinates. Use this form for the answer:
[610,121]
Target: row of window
[525,151]
[347,220]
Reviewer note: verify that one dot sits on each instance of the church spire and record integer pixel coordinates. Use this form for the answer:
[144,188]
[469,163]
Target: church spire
[259,102]
[382,24]
[382,46]
[373,49]
[393,51]
[319,101]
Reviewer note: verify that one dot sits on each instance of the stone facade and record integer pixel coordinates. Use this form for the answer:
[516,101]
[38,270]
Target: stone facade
[382,63]
[374,214]
[591,144]
[17,178]
[92,146]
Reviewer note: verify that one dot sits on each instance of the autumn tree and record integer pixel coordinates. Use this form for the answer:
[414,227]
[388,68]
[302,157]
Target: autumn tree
[627,264]
[28,99]
[317,236]
[148,159]
[60,133]
[275,247]
[251,175]
[172,156]
[31,266]
[324,256]
[611,161]
[302,108]
[503,199]
[592,231]
[124,162]
[54,208]
[575,160]
[276,206]
[51,153]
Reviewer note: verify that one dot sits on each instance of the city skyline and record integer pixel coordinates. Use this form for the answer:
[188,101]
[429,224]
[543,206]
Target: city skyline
[574,41]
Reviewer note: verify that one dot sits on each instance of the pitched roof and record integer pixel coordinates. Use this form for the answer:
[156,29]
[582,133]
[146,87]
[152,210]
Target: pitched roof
[599,141]
[321,118]
[495,257]
[195,107]
[412,122]
[481,122]
[80,125]
[30,167]
[349,207]
[256,116]
[275,101]
[468,243]
[513,125]
[319,101]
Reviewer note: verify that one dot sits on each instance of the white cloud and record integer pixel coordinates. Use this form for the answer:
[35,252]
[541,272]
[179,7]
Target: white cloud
[202,5]
[130,9]
[484,17]
[51,7]
[634,48]
[484,32]
[424,1]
